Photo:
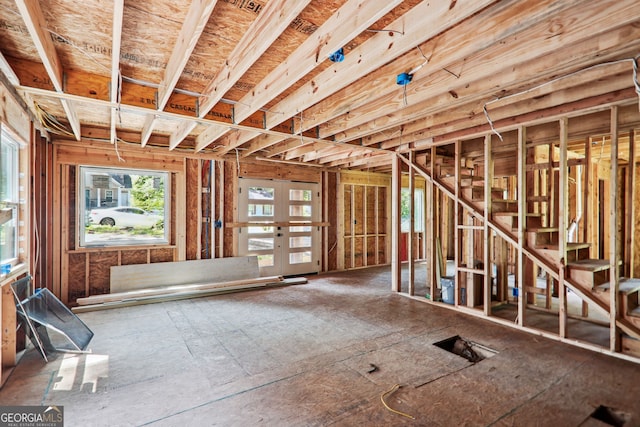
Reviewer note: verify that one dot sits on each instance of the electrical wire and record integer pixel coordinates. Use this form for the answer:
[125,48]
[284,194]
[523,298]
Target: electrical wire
[388,392]
[50,122]
[115,144]
[636,85]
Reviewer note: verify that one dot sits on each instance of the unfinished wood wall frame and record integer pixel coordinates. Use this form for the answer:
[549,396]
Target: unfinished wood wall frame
[84,271]
[562,220]
[364,206]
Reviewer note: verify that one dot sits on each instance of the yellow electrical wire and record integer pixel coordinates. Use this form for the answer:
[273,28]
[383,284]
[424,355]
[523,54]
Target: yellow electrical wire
[391,390]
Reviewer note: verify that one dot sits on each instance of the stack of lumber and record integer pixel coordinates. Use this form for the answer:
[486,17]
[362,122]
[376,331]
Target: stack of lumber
[169,281]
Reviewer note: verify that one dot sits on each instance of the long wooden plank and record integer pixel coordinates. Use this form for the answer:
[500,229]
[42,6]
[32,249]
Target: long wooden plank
[563,222]
[396,188]
[331,36]
[141,276]
[116,43]
[614,277]
[186,295]
[167,290]
[424,21]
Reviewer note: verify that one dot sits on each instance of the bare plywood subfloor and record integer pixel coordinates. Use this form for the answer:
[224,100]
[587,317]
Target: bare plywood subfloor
[304,355]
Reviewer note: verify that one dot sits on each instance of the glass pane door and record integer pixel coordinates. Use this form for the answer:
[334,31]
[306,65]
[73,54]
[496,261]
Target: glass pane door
[280,230]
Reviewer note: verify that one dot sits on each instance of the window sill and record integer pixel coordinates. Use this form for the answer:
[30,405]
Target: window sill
[16,271]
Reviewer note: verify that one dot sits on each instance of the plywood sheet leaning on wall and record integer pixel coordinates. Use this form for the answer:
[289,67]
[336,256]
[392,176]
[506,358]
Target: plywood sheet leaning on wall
[143,276]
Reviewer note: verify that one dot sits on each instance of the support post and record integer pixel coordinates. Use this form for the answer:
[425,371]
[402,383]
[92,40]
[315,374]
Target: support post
[631,206]
[431,198]
[488,184]
[522,224]
[563,219]
[411,235]
[396,188]
[614,278]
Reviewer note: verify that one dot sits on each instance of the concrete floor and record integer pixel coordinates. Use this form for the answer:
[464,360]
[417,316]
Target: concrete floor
[301,356]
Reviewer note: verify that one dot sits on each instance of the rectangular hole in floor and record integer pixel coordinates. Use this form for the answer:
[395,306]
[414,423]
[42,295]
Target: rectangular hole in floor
[468,349]
[610,416]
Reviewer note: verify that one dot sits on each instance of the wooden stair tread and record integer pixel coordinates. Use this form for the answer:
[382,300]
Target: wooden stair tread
[570,246]
[541,229]
[590,264]
[528,215]
[627,286]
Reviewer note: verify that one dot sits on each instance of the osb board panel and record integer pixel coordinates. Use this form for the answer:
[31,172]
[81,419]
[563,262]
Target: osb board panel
[347,252]
[76,275]
[100,264]
[371,208]
[161,255]
[193,216]
[137,256]
[358,252]
[14,34]
[145,24]
[228,23]
[382,210]
[358,209]
[270,170]
[347,220]
[371,250]
[382,253]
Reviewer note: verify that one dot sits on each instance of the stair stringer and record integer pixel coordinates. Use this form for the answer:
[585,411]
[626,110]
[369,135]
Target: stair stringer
[542,261]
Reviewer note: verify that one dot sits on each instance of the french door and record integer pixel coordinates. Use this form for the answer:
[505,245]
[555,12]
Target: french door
[280,224]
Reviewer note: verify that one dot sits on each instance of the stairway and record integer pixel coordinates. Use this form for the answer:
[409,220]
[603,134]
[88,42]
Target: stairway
[587,275]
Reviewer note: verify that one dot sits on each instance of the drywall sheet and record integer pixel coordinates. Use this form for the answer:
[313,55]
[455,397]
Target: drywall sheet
[143,276]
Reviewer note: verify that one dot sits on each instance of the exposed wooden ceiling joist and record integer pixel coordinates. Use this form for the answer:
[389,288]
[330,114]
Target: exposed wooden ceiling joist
[192,28]
[273,20]
[252,88]
[8,71]
[331,36]
[118,12]
[36,24]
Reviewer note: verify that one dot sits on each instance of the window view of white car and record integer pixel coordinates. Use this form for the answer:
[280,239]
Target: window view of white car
[124,216]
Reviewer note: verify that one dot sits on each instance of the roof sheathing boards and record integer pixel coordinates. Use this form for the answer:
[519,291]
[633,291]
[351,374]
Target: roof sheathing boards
[14,34]
[81,33]
[149,32]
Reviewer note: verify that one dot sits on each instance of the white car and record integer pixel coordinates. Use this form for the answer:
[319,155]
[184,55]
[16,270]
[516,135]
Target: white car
[125,216]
